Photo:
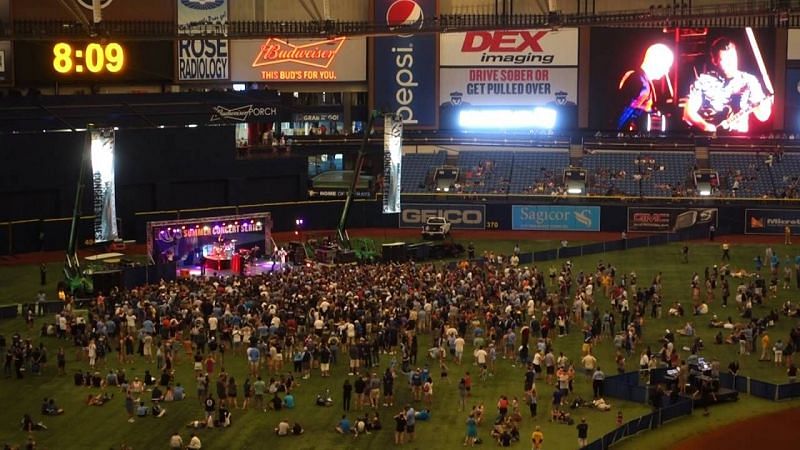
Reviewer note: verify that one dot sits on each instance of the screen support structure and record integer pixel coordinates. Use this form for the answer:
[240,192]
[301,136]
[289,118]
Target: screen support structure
[341,230]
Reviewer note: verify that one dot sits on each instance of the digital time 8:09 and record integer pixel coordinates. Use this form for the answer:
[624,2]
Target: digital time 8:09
[94,58]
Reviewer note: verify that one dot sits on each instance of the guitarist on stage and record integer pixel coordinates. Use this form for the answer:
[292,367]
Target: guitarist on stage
[724,97]
[639,86]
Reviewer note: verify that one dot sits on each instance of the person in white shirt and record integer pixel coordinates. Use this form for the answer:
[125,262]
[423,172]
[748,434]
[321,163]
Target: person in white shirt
[194,443]
[460,349]
[176,441]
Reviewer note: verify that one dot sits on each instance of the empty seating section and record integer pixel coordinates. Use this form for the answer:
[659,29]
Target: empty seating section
[416,169]
[750,175]
[662,174]
[610,172]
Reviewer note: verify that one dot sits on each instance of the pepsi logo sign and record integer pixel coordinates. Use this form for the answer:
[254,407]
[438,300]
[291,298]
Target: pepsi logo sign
[404,14]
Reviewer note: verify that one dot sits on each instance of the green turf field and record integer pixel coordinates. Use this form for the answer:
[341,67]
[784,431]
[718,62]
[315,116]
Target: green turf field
[83,427]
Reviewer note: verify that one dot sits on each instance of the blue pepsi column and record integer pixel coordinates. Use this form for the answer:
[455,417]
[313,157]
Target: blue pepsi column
[405,66]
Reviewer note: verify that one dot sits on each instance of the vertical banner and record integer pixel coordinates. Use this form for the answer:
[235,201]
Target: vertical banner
[392,155]
[6,67]
[105,210]
[202,59]
[404,77]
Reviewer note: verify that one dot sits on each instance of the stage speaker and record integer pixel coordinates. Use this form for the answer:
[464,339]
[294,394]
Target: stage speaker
[394,252]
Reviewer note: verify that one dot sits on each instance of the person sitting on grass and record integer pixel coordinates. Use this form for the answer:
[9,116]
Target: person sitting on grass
[49,408]
[158,411]
[283,428]
[687,330]
[374,423]
[223,417]
[99,399]
[276,404]
[297,429]
[29,425]
[344,425]
[142,410]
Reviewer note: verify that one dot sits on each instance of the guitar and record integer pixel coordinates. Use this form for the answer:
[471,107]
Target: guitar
[727,117]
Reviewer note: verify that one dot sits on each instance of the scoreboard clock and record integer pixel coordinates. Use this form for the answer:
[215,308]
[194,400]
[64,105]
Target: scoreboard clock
[105,61]
[92,58]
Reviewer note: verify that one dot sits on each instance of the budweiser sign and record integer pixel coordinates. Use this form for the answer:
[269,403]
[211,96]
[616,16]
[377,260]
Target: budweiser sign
[316,54]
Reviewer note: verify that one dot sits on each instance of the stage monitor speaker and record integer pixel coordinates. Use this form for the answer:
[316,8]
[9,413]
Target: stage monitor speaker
[394,252]
[106,280]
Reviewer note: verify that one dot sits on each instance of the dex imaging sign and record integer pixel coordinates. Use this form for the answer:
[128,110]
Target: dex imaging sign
[563,218]
[404,79]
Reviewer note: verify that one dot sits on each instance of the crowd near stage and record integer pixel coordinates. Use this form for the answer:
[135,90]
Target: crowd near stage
[223,245]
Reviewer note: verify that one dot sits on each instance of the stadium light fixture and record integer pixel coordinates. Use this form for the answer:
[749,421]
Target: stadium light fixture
[239,87]
[535,118]
[705,193]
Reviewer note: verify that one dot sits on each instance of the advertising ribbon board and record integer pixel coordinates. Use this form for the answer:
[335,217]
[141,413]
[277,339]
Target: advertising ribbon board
[563,218]
[299,60]
[670,220]
[461,217]
[771,221]
[404,77]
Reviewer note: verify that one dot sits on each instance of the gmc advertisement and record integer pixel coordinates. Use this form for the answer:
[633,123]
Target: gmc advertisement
[404,78]
[670,220]
[461,217]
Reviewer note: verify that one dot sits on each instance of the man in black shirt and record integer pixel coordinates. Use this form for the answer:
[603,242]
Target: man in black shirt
[347,393]
[583,433]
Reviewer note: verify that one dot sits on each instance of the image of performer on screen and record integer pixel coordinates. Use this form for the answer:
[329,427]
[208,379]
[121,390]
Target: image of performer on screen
[724,97]
[638,85]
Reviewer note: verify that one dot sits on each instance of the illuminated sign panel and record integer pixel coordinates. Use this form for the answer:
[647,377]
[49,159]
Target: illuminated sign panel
[273,59]
[698,80]
[6,68]
[96,61]
[509,68]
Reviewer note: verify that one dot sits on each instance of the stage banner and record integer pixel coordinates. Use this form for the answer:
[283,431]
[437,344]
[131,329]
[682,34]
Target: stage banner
[771,221]
[299,60]
[6,64]
[670,220]
[563,218]
[105,209]
[404,66]
[461,217]
[501,68]
[392,155]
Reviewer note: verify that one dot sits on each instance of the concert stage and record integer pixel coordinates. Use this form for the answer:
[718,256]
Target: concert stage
[257,268]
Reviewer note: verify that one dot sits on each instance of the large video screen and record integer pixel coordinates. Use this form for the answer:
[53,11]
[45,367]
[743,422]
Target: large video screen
[682,79]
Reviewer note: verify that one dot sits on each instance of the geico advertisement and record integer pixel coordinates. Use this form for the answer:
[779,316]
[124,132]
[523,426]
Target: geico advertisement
[462,217]
[304,60]
[510,48]
[462,87]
